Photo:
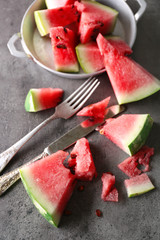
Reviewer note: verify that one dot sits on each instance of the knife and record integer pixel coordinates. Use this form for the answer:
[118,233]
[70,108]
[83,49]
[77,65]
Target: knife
[62,143]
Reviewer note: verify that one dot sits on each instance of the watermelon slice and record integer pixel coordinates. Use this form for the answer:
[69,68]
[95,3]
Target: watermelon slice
[82,161]
[138,185]
[62,16]
[90,58]
[63,45]
[130,81]
[95,18]
[49,185]
[60,3]
[128,131]
[109,191]
[95,111]
[130,165]
[39,99]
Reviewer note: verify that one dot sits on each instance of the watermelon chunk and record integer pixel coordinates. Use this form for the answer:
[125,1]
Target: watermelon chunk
[49,185]
[130,165]
[82,161]
[62,16]
[109,191]
[95,18]
[60,3]
[130,81]
[63,45]
[138,185]
[95,111]
[128,131]
[39,99]
[90,58]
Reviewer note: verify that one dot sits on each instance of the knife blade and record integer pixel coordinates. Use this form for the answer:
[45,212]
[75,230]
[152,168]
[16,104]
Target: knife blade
[62,143]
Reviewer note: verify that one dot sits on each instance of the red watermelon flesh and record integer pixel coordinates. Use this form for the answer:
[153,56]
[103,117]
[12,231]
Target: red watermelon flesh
[49,185]
[109,192]
[95,18]
[82,161]
[138,185]
[120,45]
[61,16]
[128,131]
[63,44]
[130,81]
[39,99]
[95,111]
[142,157]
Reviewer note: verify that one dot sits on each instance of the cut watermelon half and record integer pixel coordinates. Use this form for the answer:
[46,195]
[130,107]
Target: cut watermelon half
[130,81]
[62,16]
[130,165]
[95,18]
[138,185]
[109,191]
[63,45]
[128,131]
[60,3]
[49,185]
[39,99]
[82,161]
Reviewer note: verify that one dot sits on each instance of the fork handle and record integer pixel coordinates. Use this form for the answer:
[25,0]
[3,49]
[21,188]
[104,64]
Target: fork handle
[8,179]
[8,154]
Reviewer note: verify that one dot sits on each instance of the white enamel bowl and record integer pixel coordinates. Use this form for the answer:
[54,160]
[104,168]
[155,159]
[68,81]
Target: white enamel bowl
[39,49]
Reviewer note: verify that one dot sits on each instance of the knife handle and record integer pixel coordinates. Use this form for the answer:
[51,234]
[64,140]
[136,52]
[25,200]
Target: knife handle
[8,179]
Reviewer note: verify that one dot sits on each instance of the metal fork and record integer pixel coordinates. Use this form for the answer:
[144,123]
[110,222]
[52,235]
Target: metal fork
[65,110]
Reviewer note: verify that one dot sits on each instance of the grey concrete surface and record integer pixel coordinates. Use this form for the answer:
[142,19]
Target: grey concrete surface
[129,219]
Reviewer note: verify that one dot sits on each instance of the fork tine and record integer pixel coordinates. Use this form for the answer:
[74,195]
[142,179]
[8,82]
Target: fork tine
[82,91]
[85,96]
[77,90]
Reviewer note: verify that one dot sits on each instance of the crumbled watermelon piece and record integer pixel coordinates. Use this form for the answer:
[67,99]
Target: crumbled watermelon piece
[142,157]
[109,191]
[82,161]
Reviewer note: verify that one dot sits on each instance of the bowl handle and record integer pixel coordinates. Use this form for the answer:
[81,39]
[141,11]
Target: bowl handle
[12,48]
[141,10]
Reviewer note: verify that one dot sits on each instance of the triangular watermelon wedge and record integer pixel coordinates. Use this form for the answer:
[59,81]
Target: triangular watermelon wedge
[128,131]
[130,81]
[95,18]
[49,185]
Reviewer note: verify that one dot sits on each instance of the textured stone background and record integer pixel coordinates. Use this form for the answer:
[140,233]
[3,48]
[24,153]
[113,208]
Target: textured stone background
[134,219]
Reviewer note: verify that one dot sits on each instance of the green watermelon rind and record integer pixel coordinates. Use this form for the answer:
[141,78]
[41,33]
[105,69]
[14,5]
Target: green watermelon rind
[42,210]
[31,103]
[140,140]
[72,68]
[41,22]
[141,93]
[138,189]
